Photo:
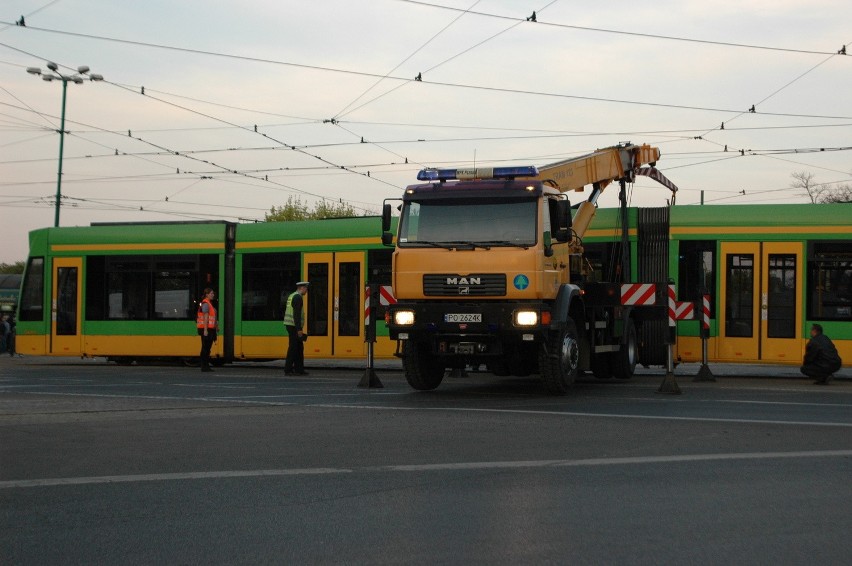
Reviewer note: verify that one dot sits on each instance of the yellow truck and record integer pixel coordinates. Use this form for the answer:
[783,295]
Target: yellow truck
[488,269]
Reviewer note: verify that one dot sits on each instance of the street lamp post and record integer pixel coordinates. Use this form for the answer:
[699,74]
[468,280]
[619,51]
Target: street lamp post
[77,78]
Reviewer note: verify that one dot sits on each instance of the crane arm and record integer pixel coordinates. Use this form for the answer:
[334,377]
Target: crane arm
[599,169]
[602,166]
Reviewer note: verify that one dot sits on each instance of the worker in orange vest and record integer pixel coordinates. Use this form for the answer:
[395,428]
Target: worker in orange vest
[207,326]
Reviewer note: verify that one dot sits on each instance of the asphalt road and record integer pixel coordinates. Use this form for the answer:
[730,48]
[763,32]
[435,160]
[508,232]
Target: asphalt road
[164,465]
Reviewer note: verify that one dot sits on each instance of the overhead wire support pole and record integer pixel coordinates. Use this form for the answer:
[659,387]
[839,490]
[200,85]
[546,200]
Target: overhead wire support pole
[77,78]
[61,151]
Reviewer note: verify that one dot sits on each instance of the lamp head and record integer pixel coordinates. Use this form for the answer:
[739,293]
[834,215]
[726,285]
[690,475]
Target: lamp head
[52,66]
[34,70]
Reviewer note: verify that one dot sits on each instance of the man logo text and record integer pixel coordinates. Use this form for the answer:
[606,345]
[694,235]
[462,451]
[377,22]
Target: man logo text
[464,281]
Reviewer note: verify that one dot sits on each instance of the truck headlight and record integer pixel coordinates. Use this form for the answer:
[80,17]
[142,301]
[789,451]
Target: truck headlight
[403,318]
[526,318]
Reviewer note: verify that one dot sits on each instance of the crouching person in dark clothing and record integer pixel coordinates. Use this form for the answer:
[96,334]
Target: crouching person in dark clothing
[821,357]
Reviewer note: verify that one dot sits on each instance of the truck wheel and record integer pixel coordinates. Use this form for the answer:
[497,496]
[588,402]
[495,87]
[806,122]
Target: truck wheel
[558,362]
[421,370]
[624,361]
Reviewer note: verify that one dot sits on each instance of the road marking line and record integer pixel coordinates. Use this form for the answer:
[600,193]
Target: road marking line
[453,466]
[288,395]
[747,402]
[592,415]
[147,397]
[454,409]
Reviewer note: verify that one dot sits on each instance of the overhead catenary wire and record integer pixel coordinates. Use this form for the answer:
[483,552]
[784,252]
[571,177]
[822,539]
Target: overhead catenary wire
[419,77]
[772,94]
[682,134]
[538,21]
[231,170]
[435,83]
[331,168]
[412,54]
[419,140]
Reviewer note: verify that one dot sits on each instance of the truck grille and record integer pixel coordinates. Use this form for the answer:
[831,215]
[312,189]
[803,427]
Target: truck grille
[473,285]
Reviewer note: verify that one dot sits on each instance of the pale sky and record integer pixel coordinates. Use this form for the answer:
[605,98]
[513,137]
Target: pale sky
[316,77]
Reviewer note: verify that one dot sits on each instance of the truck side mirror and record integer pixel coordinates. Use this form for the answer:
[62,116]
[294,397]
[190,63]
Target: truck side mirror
[562,231]
[386,217]
[387,237]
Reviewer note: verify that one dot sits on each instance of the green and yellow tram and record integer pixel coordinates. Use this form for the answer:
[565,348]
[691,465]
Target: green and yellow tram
[770,271]
[128,291]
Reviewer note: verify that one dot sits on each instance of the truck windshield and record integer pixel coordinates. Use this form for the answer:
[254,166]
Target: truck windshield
[461,221]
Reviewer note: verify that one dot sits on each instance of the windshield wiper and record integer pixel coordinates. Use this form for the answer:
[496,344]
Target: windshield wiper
[446,246]
[472,245]
[524,245]
[457,244]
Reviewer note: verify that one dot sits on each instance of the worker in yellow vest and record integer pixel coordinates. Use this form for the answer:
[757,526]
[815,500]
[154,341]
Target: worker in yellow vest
[293,321]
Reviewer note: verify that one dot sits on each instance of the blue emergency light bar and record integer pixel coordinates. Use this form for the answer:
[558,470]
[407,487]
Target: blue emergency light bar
[477,173]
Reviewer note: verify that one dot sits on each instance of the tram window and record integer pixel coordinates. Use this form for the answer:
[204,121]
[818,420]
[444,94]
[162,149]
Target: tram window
[318,299]
[172,294]
[268,279]
[127,294]
[830,281]
[177,263]
[147,287]
[66,301]
[95,287]
[697,271]
[781,296]
[32,292]
[350,306]
[739,296]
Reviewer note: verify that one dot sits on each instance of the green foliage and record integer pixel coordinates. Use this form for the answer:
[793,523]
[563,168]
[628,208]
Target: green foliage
[295,209]
[17,267]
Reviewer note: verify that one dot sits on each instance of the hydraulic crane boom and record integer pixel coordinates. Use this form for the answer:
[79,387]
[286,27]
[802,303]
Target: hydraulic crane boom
[599,169]
[602,166]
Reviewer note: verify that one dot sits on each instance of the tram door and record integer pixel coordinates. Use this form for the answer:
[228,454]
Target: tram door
[761,302]
[335,304]
[66,307]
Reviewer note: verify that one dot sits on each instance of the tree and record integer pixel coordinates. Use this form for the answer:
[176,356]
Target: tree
[17,267]
[820,192]
[840,193]
[295,209]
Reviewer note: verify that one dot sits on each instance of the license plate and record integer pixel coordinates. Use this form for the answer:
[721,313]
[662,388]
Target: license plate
[463,317]
[464,348]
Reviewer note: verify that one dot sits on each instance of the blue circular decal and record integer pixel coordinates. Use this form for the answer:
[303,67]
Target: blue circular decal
[521,282]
